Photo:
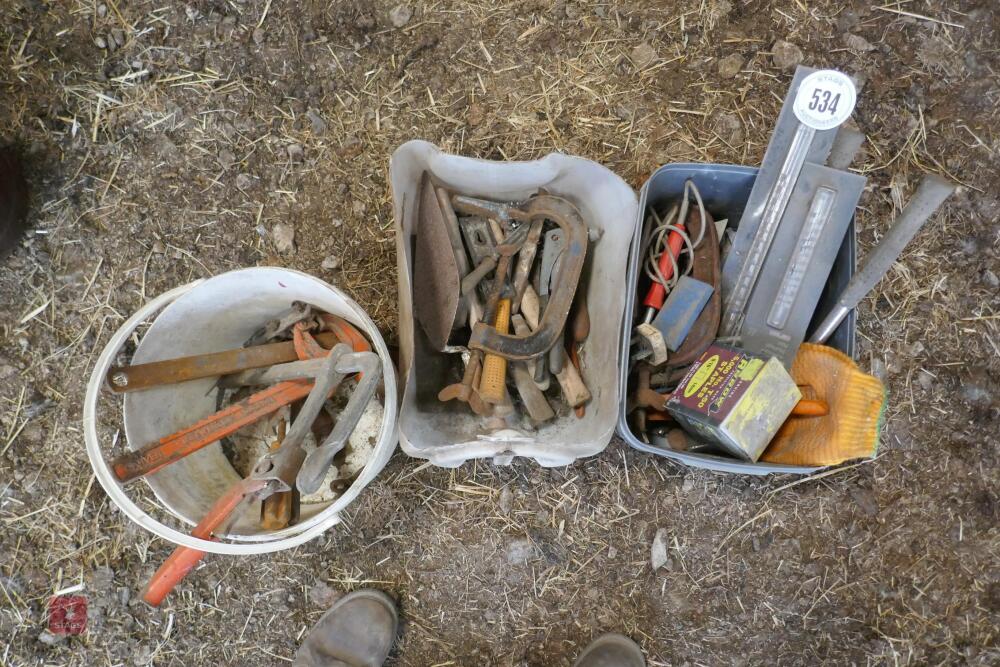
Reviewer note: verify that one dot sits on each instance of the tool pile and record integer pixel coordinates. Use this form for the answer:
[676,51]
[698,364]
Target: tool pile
[319,377]
[498,289]
[718,363]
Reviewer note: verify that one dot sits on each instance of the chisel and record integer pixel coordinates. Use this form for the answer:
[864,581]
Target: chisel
[930,194]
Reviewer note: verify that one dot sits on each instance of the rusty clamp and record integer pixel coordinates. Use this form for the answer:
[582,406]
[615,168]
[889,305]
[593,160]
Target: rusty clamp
[550,327]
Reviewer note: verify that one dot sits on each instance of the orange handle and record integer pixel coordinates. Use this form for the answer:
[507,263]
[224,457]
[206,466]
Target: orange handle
[346,332]
[173,570]
[177,445]
[657,293]
[183,559]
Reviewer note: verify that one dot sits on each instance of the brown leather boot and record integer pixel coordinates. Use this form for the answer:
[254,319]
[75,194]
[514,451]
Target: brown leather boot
[611,650]
[357,631]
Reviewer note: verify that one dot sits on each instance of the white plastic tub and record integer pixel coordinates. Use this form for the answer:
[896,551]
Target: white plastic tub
[209,316]
[449,434]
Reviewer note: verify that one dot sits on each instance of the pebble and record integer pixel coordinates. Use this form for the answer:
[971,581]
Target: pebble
[284,238]
[730,66]
[158,247]
[331,263]
[101,42]
[865,499]
[990,279]
[977,391]
[244,181]
[102,10]
[857,43]
[786,55]
[322,595]
[643,55]
[337,222]
[295,152]
[102,578]
[506,500]
[258,36]
[119,36]
[879,369]
[316,121]
[475,115]
[658,551]
[50,639]
[520,551]
[926,380]
[226,158]
[400,15]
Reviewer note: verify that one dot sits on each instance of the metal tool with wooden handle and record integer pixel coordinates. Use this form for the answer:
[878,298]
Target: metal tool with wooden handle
[494,380]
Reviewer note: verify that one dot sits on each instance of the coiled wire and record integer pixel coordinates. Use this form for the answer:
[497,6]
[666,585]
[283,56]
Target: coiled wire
[659,234]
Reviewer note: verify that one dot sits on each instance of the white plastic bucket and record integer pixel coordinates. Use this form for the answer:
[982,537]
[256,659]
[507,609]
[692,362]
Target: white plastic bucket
[449,434]
[210,316]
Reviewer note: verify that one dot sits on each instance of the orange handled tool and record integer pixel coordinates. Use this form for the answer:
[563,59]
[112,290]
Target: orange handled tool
[657,292]
[275,473]
[176,446]
[183,559]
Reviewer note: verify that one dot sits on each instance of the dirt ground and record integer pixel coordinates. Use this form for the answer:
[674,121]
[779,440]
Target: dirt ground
[168,142]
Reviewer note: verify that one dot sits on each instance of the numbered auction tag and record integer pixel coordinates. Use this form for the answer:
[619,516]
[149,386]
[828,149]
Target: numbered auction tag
[825,99]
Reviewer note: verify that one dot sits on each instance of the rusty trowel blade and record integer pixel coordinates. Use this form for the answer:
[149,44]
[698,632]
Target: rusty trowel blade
[436,279]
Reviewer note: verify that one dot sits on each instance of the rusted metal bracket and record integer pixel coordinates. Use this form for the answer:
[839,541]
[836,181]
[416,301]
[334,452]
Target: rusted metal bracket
[553,319]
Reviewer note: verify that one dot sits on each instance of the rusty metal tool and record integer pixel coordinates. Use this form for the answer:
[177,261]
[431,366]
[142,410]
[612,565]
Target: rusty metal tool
[293,370]
[548,276]
[172,448]
[275,473]
[530,392]
[502,213]
[299,312]
[550,327]
[580,331]
[316,463]
[466,390]
[482,249]
[522,328]
[439,266]
[475,309]
[525,260]
[276,511]
[171,371]
[471,281]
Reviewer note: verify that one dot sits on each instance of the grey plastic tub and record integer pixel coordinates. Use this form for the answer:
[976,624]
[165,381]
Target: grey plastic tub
[725,190]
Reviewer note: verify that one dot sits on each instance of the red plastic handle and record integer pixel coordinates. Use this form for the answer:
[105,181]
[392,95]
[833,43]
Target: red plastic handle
[657,294]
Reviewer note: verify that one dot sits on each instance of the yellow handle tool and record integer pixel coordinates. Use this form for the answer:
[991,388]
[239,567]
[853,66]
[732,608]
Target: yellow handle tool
[494,381]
